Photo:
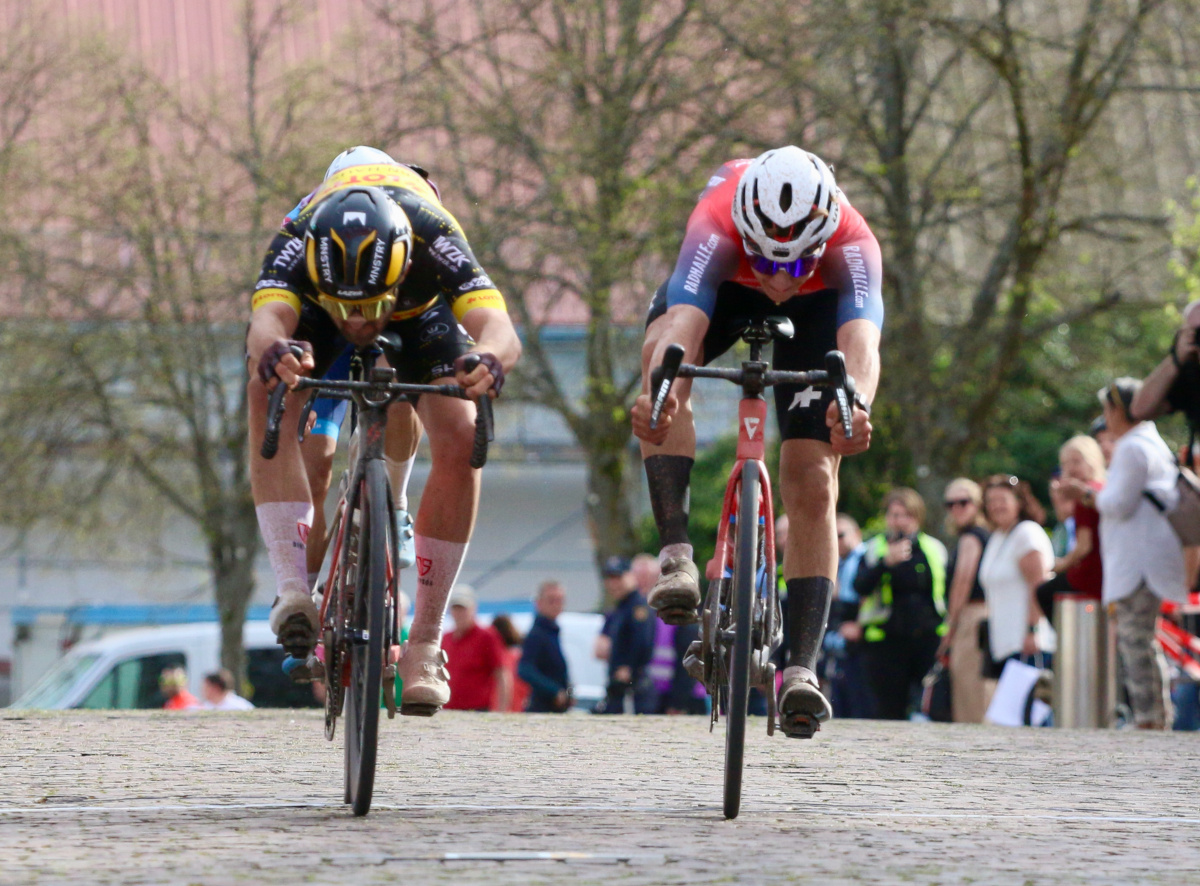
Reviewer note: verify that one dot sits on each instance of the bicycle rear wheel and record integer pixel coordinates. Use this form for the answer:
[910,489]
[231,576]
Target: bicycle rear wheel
[745,567]
[368,635]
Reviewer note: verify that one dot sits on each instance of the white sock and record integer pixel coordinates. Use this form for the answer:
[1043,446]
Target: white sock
[400,472]
[438,563]
[676,550]
[284,526]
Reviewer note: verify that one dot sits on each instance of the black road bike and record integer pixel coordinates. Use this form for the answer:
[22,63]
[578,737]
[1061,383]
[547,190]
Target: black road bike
[360,616]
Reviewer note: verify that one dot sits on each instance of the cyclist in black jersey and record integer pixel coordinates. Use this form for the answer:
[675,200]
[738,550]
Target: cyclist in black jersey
[371,249]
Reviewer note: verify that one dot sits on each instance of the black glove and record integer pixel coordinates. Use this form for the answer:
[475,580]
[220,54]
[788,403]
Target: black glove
[490,361]
[272,355]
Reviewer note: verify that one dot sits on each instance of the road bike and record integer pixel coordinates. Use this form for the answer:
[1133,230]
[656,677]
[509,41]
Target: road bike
[360,615]
[740,623]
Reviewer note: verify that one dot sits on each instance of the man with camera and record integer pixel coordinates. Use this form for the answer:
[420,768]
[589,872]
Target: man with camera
[1174,385]
[901,584]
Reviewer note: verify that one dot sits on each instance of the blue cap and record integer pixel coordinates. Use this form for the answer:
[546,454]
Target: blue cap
[614,566]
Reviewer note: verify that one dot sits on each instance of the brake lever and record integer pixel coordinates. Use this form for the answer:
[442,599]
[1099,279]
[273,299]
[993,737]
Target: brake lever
[843,390]
[661,380]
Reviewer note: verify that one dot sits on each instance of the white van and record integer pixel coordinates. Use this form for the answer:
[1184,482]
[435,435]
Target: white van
[121,670]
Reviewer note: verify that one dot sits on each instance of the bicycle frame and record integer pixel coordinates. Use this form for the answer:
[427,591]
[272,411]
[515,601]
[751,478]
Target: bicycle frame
[752,415]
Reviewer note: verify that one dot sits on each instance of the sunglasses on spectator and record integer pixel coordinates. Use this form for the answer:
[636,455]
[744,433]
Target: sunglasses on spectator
[957,503]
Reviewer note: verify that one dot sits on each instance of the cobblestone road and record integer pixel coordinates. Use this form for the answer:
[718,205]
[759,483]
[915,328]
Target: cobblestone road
[98,797]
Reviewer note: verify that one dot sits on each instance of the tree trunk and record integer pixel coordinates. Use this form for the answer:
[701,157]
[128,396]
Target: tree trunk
[610,516]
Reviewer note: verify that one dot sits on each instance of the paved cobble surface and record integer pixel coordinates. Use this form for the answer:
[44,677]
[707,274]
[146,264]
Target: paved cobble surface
[149,797]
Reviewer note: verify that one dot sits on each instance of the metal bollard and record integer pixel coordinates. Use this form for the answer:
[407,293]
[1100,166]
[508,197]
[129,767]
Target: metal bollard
[1081,666]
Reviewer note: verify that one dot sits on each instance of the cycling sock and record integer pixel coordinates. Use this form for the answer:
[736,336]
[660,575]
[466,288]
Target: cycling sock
[284,526]
[668,477]
[438,563]
[669,552]
[808,612]
[400,472]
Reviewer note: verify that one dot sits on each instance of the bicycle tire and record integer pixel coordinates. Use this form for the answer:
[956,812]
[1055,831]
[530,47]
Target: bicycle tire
[745,567]
[366,656]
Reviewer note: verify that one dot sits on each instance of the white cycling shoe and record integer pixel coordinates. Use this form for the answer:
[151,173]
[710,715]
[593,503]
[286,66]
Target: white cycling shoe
[426,681]
[294,619]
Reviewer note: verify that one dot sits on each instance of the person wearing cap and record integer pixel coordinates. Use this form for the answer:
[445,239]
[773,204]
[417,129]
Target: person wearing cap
[1098,431]
[1140,553]
[475,659]
[630,630]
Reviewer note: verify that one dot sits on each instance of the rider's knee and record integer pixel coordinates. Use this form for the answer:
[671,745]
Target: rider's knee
[809,487]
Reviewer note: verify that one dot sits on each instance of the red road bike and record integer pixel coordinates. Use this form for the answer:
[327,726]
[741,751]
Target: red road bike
[741,623]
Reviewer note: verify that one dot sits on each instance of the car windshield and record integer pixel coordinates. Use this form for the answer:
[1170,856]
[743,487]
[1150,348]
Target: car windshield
[49,691]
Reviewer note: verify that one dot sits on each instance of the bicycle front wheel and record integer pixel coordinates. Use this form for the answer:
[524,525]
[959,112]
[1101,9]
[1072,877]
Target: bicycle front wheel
[368,631]
[745,567]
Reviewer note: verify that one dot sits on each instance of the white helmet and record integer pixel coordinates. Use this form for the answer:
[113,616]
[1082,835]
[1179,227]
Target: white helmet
[360,155]
[786,204]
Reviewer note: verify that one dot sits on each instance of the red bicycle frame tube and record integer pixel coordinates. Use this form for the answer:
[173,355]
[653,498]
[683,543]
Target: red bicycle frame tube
[752,421]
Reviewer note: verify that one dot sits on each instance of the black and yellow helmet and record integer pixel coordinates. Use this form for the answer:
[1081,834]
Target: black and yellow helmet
[358,246]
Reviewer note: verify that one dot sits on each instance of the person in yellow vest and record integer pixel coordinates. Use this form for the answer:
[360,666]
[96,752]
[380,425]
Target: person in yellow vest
[902,588]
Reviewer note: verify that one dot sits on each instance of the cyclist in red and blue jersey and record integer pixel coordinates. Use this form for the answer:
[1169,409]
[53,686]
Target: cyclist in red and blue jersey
[769,236]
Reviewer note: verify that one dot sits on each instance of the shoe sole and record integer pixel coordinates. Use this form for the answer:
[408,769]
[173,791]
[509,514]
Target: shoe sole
[412,709]
[297,636]
[678,607]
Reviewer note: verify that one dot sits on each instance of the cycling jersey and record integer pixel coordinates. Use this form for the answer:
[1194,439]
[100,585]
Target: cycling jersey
[713,254]
[443,266]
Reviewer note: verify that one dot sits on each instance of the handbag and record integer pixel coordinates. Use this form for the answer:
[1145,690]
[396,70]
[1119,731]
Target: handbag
[1185,516]
[990,668]
[935,693]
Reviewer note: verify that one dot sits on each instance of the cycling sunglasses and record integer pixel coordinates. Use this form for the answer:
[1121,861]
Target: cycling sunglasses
[801,267]
[371,309]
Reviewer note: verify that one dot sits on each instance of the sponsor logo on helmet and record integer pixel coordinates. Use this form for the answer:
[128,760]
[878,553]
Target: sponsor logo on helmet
[360,217]
[350,293]
[483,282]
[270,284]
[858,274]
[326,265]
[447,253]
[377,263]
[289,255]
[704,254]
[433,330]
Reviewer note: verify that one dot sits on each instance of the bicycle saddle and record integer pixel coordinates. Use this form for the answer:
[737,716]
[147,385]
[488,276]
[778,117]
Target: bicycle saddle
[764,329]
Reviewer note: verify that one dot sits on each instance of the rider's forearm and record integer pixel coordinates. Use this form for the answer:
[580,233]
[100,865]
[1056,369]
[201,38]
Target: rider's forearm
[494,334]
[859,341]
[269,324]
[1151,400]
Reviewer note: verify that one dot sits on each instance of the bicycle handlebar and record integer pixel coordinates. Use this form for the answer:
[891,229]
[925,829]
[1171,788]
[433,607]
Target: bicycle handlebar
[833,376]
[377,394]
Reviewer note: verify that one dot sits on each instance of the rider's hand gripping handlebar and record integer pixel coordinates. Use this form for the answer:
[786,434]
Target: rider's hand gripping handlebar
[485,430]
[661,380]
[270,444]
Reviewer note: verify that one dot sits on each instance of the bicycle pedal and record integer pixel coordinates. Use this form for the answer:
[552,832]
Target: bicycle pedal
[799,726]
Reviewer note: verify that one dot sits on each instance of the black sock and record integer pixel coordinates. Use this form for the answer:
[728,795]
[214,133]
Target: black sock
[668,477]
[807,612]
